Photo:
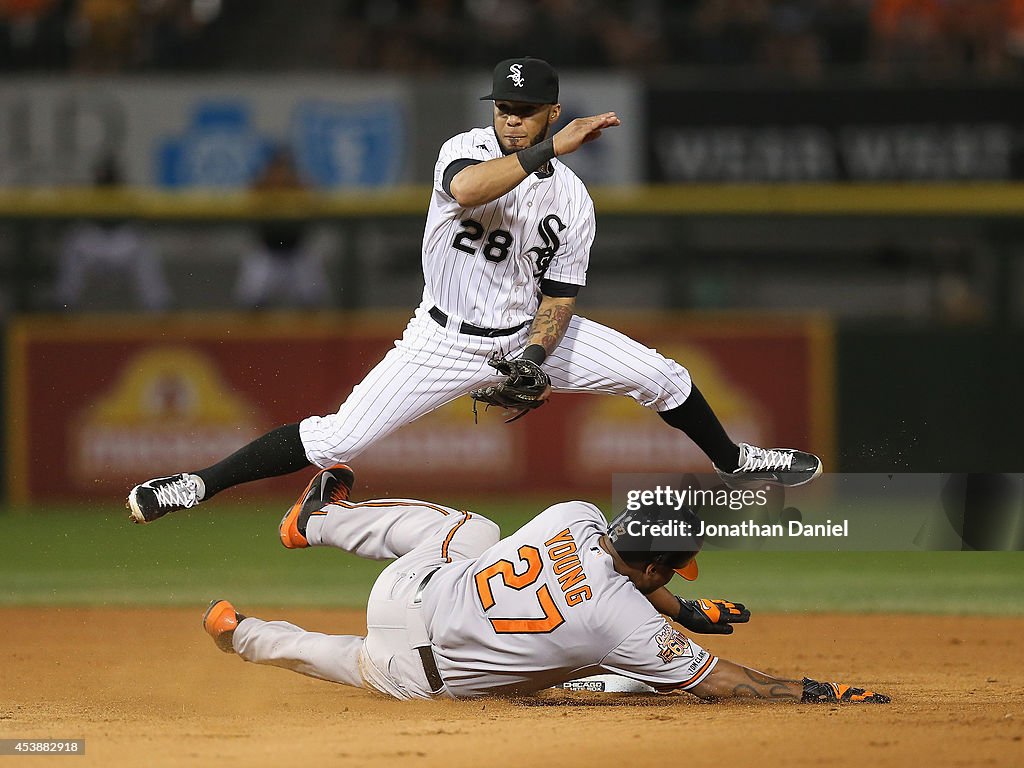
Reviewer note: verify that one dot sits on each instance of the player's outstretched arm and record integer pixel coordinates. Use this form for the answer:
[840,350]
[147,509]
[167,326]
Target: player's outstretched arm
[729,680]
[485,182]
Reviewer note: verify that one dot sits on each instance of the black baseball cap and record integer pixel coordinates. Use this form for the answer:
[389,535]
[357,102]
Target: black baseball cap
[529,80]
[675,545]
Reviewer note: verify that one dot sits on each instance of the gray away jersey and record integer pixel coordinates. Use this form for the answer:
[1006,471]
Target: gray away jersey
[545,605]
[484,264]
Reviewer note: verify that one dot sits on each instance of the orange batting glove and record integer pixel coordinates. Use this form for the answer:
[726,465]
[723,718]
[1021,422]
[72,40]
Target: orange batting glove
[711,617]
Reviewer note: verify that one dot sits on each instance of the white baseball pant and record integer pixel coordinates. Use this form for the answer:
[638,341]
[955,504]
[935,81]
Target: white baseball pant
[433,365]
[423,537]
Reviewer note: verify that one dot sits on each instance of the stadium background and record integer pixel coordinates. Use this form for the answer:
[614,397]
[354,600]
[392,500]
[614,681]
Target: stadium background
[817,206]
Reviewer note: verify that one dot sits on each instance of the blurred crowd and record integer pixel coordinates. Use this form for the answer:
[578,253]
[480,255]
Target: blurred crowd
[107,35]
[793,39]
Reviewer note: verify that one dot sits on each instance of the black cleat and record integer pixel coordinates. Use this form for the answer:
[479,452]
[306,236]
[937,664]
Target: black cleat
[780,466]
[155,498]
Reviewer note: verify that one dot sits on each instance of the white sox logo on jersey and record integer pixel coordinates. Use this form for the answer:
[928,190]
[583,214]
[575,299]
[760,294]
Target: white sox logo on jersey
[516,75]
[544,254]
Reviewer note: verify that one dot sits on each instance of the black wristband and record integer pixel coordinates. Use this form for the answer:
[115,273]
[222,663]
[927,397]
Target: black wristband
[536,156]
[682,607]
[535,353]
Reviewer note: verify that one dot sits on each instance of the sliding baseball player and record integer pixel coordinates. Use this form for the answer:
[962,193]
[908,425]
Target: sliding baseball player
[461,613]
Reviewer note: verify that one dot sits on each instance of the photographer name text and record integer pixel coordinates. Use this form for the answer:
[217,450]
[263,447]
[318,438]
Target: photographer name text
[746,528]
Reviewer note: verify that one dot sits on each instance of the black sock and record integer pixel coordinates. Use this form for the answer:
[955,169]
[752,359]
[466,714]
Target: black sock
[698,421]
[278,452]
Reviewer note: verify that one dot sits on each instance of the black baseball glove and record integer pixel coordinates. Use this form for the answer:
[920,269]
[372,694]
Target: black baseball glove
[711,617]
[525,387]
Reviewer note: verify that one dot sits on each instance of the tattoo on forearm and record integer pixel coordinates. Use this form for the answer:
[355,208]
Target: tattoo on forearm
[549,326]
[764,687]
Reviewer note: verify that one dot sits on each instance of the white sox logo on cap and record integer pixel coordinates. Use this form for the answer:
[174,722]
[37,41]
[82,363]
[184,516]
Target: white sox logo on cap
[516,75]
[527,80]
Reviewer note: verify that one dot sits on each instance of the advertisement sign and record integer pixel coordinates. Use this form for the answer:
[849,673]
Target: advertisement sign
[204,132]
[95,407]
[212,132]
[834,134]
[216,132]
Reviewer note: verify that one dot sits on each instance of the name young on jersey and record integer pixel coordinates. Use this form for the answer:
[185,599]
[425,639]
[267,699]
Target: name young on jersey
[561,551]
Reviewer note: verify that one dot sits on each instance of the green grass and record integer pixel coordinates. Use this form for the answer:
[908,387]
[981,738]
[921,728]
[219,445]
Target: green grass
[95,557]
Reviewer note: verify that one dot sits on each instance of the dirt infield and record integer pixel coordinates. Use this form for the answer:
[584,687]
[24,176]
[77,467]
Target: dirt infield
[147,687]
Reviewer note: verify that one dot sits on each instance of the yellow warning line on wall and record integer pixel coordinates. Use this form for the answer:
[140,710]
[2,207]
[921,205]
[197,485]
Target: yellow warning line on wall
[974,199]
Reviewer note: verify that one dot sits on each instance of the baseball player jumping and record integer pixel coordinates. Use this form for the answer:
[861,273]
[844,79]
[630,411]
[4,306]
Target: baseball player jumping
[460,614]
[505,252]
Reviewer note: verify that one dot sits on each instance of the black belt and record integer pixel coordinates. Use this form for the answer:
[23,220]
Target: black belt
[475,330]
[430,668]
[426,654]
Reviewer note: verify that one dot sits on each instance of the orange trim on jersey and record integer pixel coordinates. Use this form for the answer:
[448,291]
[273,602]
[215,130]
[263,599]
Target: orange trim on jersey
[451,533]
[354,504]
[704,668]
[693,679]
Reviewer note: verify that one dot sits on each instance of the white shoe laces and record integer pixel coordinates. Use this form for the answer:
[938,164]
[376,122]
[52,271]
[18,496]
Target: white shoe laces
[765,460]
[179,493]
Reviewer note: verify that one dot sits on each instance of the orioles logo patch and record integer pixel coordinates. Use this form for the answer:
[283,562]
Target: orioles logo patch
[672,644]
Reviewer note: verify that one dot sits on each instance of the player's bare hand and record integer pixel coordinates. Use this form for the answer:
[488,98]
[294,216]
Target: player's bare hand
[583,130]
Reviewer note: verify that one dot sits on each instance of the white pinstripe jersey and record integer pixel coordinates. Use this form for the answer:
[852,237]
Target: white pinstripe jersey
[545,605]
[484,264]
